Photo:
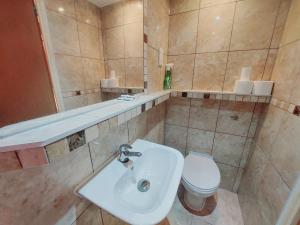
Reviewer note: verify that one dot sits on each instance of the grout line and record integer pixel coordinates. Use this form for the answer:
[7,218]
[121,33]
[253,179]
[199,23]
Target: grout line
[289,43]
[215,131]
[196,45]
[226,67]
[238,50]
[91,157]
[187,131]
[270,161]
[199,7]
[271,40]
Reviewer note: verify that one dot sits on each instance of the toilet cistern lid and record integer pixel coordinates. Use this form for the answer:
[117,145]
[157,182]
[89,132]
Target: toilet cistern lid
[201,171]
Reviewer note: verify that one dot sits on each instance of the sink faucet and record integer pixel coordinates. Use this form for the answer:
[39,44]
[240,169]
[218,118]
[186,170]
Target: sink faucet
[124,153]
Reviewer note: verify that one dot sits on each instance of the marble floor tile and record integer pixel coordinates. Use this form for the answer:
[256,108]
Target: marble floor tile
[228,212]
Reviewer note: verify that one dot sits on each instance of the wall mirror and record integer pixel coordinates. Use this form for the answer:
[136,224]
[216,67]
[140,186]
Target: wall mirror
[68,54]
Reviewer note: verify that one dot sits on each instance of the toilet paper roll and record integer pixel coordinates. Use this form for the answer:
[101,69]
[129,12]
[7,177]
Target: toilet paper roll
[263,87]
[246,73]
[243,87]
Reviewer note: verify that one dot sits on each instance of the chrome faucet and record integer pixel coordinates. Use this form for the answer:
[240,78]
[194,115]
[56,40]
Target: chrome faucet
[124,153]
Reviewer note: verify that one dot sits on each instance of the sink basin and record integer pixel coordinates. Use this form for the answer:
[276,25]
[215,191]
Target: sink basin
[143,193]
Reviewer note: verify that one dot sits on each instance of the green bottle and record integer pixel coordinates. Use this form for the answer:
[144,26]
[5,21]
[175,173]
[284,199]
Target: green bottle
[168,78]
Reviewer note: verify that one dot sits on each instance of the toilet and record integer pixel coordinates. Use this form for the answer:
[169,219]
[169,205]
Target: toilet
[200,179]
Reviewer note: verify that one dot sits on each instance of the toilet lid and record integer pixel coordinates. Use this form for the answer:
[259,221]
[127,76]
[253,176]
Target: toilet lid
[201,172]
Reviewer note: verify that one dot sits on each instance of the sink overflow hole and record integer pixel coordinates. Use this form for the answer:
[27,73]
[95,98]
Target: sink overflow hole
[143,185]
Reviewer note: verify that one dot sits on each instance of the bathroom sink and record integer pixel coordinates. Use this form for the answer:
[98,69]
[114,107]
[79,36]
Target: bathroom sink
[142,193]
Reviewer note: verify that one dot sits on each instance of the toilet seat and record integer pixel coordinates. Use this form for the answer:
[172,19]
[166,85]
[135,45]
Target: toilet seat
[200,174]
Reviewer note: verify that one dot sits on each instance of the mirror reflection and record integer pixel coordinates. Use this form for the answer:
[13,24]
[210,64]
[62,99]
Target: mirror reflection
[91,51]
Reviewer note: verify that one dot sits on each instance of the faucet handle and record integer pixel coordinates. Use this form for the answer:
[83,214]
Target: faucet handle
[125,147]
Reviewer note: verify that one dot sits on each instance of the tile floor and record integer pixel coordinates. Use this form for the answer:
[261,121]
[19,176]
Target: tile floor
[228,212]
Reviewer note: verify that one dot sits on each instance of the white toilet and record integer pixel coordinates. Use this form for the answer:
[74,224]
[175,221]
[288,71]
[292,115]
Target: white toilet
[201,179]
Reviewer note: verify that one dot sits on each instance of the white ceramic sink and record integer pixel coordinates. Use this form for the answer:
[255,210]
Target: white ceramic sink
[115,188]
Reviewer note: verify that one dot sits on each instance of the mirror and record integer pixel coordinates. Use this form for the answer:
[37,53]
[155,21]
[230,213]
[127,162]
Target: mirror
[91,51]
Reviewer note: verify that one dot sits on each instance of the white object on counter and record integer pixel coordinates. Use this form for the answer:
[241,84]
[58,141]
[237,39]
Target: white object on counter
[104,83]
[263,88]
[127,97]
[246,73]
[243,87]
[113,82]
[110,83]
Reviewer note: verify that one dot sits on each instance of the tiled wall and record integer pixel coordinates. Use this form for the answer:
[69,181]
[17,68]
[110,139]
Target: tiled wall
[274,165]
[221,128]
[211,40]
[75,32]
[45,194]
[122,29]
[156,26]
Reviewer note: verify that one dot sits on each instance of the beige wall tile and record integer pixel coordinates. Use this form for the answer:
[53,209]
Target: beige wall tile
[254,171]
[235,117]
[134,70]
[269,128]
[133,36]
[70,72]
[210,71]
[117,65]
[183,33]
[178,111]
[89,41]
[86,12]
[112,15]
[63,33]
[214,28]
[275,191]
[280,22]
[57,150]
[91,133]
[286,71]
[228,174]
[253,24]
[155,77]
[75,102]
[114,44]
[107,144]
[53,185]
[204,114]
[228,149]
[270,64]
[183,71]
[93,73]
[199,141]
[208,3]
[133,11]
[179,6]
[56,5]
[94,98]
[92,216]
[175,137]
[255,58]
[137,127]
[156,124]
[285,155]
[158,25]
[292,26]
